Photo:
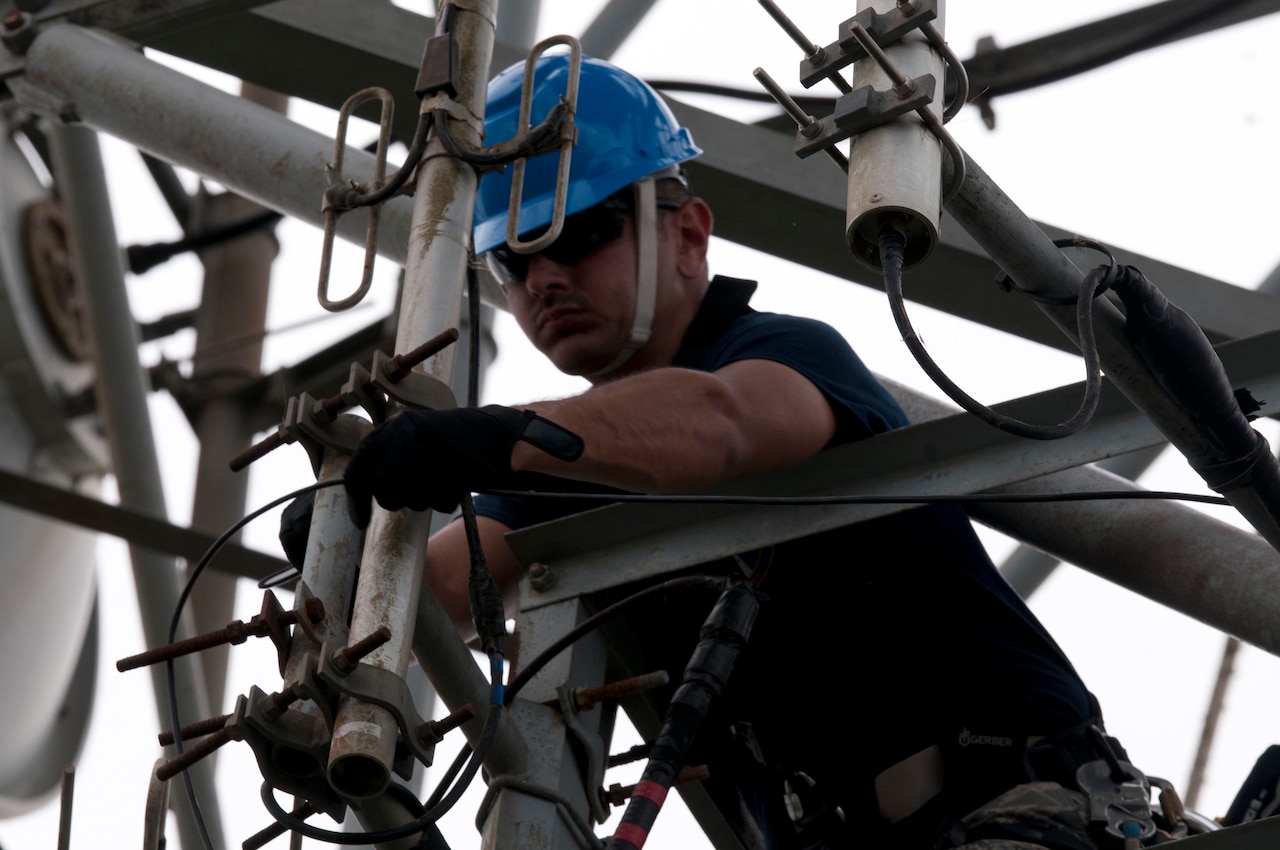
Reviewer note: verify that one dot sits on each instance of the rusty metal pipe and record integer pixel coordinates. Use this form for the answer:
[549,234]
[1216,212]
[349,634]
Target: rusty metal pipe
[390,586]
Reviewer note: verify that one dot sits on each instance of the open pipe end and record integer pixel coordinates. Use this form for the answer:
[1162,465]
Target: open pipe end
[358,777]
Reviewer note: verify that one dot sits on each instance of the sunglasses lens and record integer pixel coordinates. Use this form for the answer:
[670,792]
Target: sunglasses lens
[506,265]
[582,234]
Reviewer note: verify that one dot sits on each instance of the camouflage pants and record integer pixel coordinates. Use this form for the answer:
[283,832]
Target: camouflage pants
[1036,807]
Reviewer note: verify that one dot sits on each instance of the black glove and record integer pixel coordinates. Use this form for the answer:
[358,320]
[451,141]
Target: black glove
[430,458]
[295,527]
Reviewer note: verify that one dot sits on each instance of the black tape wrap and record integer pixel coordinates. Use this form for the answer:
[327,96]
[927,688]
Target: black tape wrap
[1183,362]
[724,634]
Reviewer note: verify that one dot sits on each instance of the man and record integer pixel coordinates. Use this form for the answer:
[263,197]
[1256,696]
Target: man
[955,683]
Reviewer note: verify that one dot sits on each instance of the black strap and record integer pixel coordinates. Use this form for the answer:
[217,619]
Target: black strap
[726,300]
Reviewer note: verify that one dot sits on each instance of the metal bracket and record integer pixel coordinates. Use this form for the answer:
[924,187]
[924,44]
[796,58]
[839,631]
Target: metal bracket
[594,750]
[885,28]
[305,423]
[314,631]
[413,389]
[385,689]
[308,687]
[860,110]
[291,748]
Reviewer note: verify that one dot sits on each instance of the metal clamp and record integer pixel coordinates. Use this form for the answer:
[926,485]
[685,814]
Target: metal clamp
[904,85]
[592,746]
[336,197]
[291,748]
[413,389]
[306,421]
[319,416]
[385,689]
[884,28]
[862,36]
[861,110]
[568,137]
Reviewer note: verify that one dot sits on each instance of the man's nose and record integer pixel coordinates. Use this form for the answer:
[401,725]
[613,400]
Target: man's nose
[545,276]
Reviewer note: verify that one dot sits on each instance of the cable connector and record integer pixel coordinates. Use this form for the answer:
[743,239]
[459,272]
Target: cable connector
[440,69]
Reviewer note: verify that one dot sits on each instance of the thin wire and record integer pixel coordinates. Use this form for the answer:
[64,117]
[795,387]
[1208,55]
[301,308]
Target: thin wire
[698,582]
[907,499]
[170,670]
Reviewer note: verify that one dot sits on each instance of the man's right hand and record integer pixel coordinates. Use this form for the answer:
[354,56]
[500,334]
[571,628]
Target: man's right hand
[429,458]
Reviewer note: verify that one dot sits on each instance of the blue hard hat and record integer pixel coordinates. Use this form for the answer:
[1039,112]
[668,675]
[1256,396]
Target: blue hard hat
[625,132]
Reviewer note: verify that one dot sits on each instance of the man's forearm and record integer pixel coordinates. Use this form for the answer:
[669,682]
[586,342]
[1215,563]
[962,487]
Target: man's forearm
[676,430]
[663,431]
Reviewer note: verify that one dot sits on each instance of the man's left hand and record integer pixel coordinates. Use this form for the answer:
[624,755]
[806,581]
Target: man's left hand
[429,458]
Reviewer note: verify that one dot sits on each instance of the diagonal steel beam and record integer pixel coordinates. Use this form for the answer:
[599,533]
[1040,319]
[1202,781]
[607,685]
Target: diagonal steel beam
[132,526]
[373,43]
[955,455]
[1092,45]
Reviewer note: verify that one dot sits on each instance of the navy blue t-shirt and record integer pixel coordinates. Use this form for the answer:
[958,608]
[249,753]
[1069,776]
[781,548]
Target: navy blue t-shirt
[880,639]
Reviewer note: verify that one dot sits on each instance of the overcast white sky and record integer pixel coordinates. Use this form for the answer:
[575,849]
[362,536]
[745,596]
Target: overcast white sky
[1169,153]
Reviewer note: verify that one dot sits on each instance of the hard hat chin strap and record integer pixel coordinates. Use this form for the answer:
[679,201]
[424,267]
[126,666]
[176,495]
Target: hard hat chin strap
[646,213]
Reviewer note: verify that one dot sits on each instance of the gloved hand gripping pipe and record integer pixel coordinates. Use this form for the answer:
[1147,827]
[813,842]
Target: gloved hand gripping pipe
[725,633]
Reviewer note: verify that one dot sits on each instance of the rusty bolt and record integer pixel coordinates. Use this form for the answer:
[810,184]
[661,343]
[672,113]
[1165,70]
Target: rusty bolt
[345,659]
[275,704]
[273,622]
[197,729]
[433,731]
[176,765]
[585,699]
[16,31]
[314,609]
[617,795]
[541,578]
[398,368]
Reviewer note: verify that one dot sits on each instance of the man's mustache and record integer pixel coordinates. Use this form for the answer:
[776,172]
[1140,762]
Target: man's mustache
[553,300]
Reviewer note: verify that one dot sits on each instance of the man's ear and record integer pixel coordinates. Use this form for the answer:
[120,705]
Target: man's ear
[693,222]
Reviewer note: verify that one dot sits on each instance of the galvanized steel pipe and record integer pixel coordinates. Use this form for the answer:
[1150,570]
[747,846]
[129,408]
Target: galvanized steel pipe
[93,78]
[122,403]
[395,544]
[896,169]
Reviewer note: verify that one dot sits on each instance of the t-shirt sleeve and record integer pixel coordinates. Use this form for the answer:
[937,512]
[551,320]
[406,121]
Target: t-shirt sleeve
[863,407]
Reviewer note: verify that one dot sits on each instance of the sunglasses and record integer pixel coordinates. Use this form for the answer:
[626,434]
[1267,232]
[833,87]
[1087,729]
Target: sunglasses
[582,234]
